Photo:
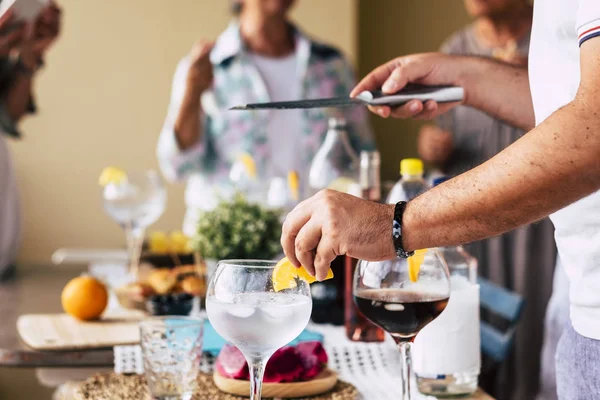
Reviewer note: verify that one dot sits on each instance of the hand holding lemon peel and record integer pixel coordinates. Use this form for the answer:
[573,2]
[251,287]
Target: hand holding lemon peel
[414,264]
[285,275]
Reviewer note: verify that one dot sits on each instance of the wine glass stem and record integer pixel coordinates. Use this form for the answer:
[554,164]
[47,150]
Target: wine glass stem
[257,370]
[405,359]
[135,238]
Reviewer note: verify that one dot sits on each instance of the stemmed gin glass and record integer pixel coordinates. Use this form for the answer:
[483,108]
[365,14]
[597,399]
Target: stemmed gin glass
[243,307]
[136,201]
[402,296]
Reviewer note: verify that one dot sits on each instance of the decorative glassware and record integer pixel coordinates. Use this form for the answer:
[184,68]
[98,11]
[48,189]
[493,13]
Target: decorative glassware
[244,308]
[135,202]
[402,300]
[172,350]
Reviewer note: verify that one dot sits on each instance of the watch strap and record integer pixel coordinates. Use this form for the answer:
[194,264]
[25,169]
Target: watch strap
[397,230]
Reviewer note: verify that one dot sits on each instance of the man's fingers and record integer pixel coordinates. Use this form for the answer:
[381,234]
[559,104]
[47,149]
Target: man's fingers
[396,81]
[324,257]
[6,19]
[430,110]
[382,111]
[375,79]
[307,241]
[409,110]
[12,39]
[294,221]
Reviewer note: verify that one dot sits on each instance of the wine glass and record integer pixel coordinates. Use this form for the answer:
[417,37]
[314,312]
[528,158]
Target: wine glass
[135,202]
[402,299]
[244,308]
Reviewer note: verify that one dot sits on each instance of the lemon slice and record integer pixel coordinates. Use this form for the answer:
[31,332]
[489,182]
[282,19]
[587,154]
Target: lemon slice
[285,275]
[294,184]
[159,243]
[342,184]
[248,162]
[178,243]
[111,175]
[414,264]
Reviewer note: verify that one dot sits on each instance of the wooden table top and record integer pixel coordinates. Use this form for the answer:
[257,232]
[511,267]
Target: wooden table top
[24,373]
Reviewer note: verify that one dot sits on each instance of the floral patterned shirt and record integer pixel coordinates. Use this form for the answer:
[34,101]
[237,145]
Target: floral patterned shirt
[226,134]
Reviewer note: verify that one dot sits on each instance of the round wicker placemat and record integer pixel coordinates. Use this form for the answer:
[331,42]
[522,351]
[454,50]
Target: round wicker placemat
[133,387]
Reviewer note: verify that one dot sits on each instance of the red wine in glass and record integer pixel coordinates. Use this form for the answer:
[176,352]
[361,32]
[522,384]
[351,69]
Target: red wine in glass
[402,313]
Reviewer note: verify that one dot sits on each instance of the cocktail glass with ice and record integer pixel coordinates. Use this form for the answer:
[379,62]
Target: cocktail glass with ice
[245,309]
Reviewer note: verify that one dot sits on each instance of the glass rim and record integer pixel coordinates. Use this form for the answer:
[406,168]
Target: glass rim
[152,321]
[253,264]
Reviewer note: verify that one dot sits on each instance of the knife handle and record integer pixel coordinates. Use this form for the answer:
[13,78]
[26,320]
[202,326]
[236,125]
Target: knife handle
[440,94]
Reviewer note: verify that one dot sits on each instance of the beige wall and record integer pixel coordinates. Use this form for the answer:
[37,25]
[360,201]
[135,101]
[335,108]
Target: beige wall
[102,99]
[389,28]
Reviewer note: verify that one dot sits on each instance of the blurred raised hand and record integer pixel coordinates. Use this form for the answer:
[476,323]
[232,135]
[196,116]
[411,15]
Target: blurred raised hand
[11,33]
[200,74]
[46,28]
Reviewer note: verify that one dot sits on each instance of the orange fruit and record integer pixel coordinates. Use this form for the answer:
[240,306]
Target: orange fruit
[84,298]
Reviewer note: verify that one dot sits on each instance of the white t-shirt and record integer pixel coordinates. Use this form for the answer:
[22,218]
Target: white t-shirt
[9,209]
[559,27]
[284,128]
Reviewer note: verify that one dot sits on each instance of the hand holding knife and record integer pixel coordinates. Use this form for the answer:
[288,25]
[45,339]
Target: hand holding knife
[440,94]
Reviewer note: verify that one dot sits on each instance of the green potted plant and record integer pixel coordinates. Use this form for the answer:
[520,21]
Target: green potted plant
[237,229]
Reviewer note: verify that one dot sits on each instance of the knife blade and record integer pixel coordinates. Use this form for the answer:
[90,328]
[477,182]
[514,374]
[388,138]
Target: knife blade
[440,94]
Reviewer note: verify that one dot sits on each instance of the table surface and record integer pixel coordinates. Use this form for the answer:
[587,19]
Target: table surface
[26,374]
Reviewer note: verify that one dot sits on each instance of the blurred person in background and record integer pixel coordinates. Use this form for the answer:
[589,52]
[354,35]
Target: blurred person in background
[22,50]
[260,57]
[521,260]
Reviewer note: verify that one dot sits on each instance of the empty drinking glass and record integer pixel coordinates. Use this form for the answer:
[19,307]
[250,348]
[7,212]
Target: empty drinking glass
[171,350]
[135,202]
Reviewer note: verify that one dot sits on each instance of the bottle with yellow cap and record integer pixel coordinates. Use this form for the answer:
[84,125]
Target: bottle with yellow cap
[411,183]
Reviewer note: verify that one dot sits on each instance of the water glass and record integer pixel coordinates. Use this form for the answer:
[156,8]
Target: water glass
[171,350]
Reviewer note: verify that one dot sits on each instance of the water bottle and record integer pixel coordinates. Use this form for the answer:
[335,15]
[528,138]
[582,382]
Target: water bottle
[335,165]
[446,354]
[411,183]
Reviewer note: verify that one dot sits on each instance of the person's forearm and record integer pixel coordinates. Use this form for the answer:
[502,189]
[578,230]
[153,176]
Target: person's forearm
[552,166]
[499,89]
[188,129]
[18,97]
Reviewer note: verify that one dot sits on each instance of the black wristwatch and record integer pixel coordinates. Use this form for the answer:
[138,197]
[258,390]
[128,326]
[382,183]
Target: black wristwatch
[397,231]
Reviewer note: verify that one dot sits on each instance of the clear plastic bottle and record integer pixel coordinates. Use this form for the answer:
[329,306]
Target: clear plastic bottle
[411,183]
[446,354]
[335,166]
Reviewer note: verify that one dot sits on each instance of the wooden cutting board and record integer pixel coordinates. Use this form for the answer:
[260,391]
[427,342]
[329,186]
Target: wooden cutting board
[63,332]
[322,383]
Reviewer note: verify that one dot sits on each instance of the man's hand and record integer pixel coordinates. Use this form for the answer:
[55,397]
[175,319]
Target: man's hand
[478,76]
[200,75]
[427,69]
[11,33]
[333,223]
[46,28]
[434,144]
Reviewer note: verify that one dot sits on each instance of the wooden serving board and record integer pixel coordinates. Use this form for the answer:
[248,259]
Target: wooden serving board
[63,332]
[322,383]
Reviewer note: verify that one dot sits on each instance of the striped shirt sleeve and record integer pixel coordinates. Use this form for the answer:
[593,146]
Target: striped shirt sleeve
[588,20]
